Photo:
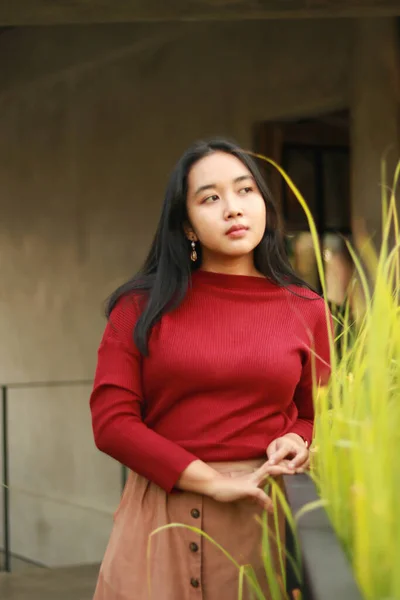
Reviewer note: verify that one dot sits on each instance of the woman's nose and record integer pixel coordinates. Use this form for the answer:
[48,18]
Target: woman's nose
[233,209]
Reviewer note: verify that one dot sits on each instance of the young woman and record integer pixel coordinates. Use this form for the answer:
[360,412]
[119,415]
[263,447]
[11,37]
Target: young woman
[203,385]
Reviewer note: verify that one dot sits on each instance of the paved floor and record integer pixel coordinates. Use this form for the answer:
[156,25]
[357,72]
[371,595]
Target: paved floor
[72,583]
[17,564]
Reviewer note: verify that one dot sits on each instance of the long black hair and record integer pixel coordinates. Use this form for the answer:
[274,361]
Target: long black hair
[165,275]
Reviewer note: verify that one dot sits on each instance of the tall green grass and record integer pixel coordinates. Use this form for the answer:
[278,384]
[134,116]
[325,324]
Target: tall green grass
[356,450]
[357,438]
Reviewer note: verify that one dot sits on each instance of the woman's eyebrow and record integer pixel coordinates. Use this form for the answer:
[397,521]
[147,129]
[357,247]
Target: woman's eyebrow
[210,186]
[202,188]
[243,178]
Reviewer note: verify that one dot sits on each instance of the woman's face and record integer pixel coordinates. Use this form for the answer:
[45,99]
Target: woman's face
[225,207]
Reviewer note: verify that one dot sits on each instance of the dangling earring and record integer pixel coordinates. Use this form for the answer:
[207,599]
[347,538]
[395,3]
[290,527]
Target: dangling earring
[193,254]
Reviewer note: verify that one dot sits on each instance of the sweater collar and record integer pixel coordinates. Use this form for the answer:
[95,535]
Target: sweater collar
[232,282]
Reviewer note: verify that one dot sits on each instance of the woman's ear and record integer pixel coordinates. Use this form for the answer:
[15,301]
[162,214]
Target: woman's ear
[190,234]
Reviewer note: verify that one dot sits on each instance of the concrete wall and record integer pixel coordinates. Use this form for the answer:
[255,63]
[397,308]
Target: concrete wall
[91,121]
[375,101]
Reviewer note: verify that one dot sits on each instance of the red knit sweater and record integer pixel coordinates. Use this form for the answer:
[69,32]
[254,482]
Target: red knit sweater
[228,371]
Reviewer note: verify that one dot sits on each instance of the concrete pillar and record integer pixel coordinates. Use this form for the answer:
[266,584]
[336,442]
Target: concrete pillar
[375,119]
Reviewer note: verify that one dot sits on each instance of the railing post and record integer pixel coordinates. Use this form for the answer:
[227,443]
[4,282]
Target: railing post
[6,491]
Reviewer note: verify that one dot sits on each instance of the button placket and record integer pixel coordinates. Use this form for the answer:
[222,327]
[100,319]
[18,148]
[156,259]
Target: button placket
[194,549]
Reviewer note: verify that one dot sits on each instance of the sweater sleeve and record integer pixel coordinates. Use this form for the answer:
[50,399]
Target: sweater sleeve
[316,369]
[117,406]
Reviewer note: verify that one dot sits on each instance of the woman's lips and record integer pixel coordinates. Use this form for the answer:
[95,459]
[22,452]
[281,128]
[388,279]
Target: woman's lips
[237,232]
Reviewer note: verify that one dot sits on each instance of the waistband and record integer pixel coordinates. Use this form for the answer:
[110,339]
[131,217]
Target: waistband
[241,466]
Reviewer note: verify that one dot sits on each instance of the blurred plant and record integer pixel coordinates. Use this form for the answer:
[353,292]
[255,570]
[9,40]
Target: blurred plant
[357,425]
[357,432]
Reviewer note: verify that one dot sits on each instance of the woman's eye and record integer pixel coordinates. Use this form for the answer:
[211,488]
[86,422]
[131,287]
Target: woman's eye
[245,190]
[212,198]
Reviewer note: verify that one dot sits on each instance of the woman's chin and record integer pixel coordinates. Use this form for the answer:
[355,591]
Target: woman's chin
[239,248]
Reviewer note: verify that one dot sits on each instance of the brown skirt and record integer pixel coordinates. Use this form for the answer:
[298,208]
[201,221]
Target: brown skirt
[181,564]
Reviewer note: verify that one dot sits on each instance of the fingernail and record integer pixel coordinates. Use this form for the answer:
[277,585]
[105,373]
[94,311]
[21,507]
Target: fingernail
[271,461]
[291,466]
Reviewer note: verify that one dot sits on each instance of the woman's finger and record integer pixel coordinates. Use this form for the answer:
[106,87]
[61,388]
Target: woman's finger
[263,499]
[262,471]
[304,467]
[284,450]
[281,469]
[300,459]
[266,470]
[271,448]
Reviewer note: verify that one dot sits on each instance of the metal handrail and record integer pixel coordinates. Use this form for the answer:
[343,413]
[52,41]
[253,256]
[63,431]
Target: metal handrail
[5,450]
[6,495]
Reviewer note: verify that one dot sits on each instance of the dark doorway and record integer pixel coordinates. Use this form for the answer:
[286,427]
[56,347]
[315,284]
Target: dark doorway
[316,155]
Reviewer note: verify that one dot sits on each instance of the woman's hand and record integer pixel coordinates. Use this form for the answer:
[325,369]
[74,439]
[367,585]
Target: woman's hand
[249,486]
[289,452]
